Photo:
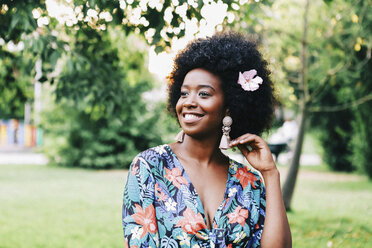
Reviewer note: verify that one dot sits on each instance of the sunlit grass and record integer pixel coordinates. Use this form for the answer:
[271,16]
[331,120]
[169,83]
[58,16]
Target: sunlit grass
[58,207]
[331,210]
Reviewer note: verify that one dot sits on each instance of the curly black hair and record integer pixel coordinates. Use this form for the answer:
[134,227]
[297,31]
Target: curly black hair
[225,55]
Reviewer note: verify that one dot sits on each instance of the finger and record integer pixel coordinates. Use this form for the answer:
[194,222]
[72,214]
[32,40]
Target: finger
[240,139]
[237,143]
[244,149]
[247,138]
[244,135]
[252,144]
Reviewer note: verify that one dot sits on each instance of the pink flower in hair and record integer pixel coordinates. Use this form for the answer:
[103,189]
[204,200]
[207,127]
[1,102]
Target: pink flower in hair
[249,81]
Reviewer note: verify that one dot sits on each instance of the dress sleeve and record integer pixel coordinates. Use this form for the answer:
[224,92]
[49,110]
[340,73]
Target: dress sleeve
[261,213]
[139,218]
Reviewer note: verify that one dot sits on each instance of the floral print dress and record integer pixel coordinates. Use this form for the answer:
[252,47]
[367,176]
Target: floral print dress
[162,208]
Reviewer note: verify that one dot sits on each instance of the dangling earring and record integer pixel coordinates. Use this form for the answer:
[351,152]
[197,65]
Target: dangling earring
[179,137]
[226,128]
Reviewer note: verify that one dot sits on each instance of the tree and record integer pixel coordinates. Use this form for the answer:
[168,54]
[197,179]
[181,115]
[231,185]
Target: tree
[311,87]
[290,181]
[16,66]
[94,84]
[350,117]
[104,136]
[47,35]
[314,60]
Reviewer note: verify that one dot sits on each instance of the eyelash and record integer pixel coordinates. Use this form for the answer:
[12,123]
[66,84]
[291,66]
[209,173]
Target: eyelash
[184,93]
[202,93]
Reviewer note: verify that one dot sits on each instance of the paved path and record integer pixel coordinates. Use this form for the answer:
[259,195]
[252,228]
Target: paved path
[306,159]
[28,156]
[15,155]
[285,159]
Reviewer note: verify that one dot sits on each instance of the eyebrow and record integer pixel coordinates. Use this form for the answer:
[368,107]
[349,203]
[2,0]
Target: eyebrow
[199,86]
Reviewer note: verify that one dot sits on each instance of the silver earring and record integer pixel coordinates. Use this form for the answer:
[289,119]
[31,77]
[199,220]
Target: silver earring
[179,137]
[226,128]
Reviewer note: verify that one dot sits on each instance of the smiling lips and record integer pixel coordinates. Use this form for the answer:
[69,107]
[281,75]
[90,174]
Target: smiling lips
[191,117]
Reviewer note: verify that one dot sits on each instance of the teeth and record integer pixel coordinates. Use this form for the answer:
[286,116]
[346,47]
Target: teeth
[191,117]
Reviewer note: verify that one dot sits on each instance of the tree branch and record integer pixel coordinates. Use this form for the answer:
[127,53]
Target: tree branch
[293,79]
[322,84]
[344,106]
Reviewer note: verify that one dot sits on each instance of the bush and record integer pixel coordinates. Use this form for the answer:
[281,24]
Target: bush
[361,142]
[106,123]
[74,139]
[335,133]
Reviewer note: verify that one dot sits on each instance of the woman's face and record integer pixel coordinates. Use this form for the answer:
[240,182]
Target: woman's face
[200,108]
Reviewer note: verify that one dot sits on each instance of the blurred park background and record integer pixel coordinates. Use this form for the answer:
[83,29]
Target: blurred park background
[83,90]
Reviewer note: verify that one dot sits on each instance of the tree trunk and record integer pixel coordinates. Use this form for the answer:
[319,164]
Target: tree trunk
[290,182]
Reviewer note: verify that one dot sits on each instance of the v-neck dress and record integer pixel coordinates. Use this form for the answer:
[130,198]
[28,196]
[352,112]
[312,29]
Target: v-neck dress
[161,207]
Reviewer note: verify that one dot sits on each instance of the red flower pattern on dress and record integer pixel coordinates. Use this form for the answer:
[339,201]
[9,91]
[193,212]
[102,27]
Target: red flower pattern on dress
[238,216]
[245,177]
[191,223]
[146,219]
[175,177]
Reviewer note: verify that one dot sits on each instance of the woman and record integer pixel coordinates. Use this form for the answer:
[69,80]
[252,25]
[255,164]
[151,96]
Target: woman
[188,193]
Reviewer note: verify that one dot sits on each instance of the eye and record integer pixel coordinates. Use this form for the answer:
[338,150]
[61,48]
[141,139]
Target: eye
[204,94]
[184,93]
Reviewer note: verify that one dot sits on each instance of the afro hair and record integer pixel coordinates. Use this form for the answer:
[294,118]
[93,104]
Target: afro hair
[225,55]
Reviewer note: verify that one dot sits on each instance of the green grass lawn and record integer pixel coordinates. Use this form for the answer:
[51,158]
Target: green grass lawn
[44,206]
[331,210]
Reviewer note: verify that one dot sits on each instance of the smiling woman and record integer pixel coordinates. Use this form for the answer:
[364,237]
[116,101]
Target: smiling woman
[188,193]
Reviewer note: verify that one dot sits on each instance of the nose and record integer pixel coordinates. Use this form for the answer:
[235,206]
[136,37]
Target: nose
[190,101]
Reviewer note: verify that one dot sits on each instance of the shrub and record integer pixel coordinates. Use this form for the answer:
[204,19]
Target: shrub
[102,120]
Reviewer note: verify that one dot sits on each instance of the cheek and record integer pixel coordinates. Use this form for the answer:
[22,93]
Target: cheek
[216,108]
[178,106]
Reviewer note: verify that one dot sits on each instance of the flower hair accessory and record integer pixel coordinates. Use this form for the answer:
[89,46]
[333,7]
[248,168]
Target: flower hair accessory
[249,81]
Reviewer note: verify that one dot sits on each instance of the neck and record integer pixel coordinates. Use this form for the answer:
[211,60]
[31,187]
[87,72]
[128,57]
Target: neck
[205,151]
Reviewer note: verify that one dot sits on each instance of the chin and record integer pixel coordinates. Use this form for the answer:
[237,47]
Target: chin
[200,134]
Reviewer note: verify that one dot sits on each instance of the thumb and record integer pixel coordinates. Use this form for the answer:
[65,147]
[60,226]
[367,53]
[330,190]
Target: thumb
[243,149]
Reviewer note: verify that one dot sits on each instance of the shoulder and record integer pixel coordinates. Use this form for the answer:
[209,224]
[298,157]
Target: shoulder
[153,156]
[156,151]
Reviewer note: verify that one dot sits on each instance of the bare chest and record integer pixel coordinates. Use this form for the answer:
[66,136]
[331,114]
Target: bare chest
[210,185]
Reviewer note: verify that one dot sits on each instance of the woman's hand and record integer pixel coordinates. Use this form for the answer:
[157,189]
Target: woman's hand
[259,156]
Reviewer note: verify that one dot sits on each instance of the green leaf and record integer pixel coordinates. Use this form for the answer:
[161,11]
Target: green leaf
[54,58]
[16,18]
